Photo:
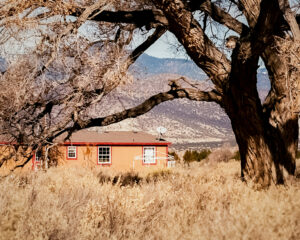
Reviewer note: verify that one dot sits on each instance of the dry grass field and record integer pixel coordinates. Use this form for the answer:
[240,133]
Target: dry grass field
[196,202]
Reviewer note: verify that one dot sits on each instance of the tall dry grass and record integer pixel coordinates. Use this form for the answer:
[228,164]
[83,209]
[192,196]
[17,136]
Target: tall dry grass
[196,202]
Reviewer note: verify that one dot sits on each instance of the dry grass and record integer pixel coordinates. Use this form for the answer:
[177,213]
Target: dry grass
[206,202]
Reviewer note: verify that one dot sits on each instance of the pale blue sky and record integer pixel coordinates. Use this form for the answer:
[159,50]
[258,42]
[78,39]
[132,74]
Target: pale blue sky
[167,47]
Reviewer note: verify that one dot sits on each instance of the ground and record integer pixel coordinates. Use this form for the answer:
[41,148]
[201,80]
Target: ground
[200,201]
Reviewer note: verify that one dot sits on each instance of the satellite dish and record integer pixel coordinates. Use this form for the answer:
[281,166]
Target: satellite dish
[161,130]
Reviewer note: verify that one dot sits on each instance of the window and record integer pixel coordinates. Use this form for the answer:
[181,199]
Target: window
[72,152]
[149,155]
[38,156]
[104,155]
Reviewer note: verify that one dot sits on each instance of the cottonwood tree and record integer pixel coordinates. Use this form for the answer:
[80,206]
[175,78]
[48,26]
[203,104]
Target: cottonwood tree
[266,133]
[59,81]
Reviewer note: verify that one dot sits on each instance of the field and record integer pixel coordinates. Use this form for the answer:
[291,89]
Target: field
[189,202]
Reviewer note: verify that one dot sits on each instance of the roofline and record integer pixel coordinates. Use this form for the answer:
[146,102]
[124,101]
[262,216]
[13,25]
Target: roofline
[105,143]
[118,143]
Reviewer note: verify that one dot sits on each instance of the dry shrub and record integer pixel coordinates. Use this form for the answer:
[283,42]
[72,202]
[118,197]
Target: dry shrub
[127,179]
[220,155]
[158,175]
[122,179]
[208,202]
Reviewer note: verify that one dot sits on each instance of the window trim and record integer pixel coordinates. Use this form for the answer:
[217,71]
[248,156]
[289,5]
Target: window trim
[76,153]
[110,156]
[36,158]
[155,156]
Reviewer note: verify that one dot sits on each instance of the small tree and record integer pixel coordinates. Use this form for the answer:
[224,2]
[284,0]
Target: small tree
[187,157]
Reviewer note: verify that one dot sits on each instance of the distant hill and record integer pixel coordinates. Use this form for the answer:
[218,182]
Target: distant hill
[148,65]
[151,65]
[189,124]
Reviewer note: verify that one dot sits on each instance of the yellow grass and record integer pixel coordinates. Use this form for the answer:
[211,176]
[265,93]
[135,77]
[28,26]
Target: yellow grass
[200,202]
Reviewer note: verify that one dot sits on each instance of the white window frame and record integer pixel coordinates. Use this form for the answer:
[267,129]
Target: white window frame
[106,155]
[72,148]
[153,160]
[37,158]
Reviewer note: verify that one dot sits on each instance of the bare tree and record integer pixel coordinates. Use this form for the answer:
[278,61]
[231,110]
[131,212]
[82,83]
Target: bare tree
[267,133]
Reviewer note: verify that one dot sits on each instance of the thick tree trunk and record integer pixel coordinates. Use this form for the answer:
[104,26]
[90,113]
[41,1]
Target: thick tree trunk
[267,135]
[281,106]
[267,154]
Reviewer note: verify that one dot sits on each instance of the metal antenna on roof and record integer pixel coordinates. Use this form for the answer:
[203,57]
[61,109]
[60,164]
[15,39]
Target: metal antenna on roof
[161,130]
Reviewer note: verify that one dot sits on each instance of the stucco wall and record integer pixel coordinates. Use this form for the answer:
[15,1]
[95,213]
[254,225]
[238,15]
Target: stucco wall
[122,158]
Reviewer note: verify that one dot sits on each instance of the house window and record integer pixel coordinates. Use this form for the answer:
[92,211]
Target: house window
[38,156]
[72,152]
[104,155]
[149,155]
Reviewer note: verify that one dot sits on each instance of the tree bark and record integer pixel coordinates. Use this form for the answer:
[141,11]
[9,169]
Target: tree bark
[267,135]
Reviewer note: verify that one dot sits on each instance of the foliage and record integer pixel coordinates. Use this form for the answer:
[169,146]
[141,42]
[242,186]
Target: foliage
[190,156]
[198,203]
[237,156]
[175,155]
[158,175]
[129,178]
[298,154]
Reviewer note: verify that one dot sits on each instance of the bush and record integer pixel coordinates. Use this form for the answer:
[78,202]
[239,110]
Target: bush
[175,155]
[298,154]
[220,155]
[237,156]
[126,179]
[192,203]
[157,175]
[191,156]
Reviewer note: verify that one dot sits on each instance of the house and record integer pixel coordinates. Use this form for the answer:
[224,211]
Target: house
[117,150]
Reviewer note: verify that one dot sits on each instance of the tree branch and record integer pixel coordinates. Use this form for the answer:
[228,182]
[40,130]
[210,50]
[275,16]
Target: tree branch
[175,92]
[197,44]
[290,18]
[145,45]
[140,18]
[219,15]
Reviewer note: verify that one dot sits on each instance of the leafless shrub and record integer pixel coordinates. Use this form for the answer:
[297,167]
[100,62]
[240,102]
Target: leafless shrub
[199,203]
[158,175]
[220,155]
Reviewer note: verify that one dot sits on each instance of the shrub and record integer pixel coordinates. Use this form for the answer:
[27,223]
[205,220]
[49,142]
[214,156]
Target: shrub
[187,157]
[190,156]
[220,155]
[127,179]
[236,156]
[192,203]
[298,154]
[175,155]
[157,175]
[103,178]
[203,154]
[123,179]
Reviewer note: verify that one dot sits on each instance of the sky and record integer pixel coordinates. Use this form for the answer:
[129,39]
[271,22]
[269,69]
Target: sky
[167,47]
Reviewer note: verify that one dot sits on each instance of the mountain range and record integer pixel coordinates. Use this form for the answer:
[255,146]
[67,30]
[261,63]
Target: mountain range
[190,124]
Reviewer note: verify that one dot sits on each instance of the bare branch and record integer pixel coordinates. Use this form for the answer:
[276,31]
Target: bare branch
[290,18]
[198,46]
[219,15]
[176,92]
[143,47]
[140,18]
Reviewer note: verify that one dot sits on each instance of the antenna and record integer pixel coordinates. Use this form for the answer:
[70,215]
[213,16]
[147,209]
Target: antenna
[161,130]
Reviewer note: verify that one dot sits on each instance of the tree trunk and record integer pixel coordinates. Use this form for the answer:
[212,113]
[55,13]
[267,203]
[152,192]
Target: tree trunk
[267,135]
[267,154]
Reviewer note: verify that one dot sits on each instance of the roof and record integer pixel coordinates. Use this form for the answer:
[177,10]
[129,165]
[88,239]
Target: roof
[84,137]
